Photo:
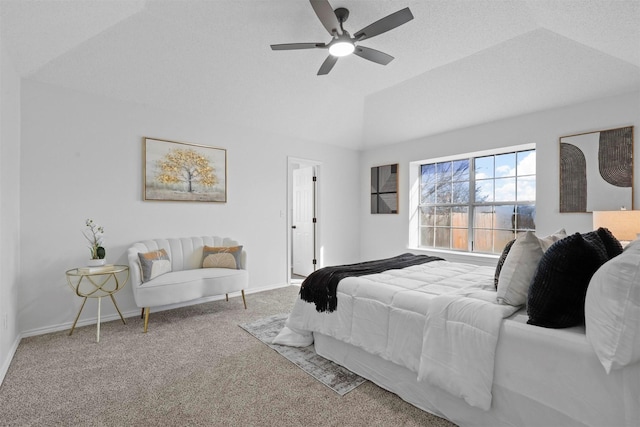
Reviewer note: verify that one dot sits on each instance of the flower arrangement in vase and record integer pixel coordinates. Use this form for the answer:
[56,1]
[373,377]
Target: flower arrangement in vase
[94,236]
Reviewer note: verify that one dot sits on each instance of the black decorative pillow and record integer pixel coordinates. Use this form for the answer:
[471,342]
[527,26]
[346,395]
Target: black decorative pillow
[558,289]
[611,244]
[593,238]
[503,257]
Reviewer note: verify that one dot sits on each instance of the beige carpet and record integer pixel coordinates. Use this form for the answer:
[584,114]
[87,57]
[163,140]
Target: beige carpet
[195,367]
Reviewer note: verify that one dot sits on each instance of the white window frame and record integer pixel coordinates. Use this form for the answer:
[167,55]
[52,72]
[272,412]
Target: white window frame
[414,199]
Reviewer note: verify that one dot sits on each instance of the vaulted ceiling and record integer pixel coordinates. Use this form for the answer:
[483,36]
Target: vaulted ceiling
[457,63]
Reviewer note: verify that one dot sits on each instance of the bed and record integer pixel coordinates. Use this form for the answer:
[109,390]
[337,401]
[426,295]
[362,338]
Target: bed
[435,335]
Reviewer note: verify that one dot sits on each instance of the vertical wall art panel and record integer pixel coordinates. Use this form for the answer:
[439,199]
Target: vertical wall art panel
[596,171]
[384,189]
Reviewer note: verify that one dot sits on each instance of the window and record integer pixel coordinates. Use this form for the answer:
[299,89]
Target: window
[477,203]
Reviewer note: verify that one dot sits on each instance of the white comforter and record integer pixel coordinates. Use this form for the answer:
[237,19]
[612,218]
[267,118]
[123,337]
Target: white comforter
[439,320]
[460,338]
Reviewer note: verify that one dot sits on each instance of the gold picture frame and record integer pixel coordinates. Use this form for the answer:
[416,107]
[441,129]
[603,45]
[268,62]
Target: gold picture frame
[185,172]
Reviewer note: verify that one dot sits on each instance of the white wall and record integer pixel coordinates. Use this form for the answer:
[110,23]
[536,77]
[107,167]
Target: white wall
[9,209]
[385,235]
[82,158]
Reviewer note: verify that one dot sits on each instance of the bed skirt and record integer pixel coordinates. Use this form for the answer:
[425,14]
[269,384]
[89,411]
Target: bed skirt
[517,400]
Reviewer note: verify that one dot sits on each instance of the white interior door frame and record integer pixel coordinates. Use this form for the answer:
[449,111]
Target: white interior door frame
[292,164]
[303,221]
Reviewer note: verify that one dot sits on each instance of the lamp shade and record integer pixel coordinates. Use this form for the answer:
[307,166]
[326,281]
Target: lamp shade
[624,225]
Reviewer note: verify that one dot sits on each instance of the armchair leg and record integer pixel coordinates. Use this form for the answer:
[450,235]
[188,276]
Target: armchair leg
[146,318]
[227,297]
[142,313]
[244,301]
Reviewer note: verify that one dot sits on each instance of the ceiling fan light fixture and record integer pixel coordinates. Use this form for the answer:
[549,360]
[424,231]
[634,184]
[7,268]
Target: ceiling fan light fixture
[342,44]
[341,48]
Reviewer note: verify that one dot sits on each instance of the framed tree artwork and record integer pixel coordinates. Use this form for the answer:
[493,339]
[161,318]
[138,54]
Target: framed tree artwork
[596,171]
[179,171]
[384,189]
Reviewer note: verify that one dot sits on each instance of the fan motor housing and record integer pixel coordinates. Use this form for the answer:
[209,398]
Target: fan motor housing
[342,14]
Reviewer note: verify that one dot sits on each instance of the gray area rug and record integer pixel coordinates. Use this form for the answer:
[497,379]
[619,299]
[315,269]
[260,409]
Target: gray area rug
[336,377]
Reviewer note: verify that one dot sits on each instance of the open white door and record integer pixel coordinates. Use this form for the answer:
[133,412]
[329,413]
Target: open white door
[303,221]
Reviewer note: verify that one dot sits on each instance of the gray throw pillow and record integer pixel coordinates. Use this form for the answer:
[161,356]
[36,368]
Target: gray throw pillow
[154,264]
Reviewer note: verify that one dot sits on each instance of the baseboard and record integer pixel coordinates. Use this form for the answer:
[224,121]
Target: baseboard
[136,312]
[85,322]
[7,362]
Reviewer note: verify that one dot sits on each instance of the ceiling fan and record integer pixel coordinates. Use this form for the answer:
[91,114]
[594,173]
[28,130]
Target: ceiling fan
[343,44]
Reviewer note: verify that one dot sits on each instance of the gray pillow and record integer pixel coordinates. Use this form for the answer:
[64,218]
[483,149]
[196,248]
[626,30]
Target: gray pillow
[520,266]
[154,264]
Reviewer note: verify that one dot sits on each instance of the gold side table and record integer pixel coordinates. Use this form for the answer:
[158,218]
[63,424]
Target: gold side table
[99,283]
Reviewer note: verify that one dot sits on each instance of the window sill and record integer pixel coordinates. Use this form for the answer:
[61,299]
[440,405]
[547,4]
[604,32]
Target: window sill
[458,256]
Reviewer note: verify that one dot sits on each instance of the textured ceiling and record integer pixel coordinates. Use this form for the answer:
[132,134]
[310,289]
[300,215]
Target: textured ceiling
[458,63]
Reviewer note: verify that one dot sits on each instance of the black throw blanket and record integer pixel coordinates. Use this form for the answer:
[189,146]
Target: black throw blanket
[320,287]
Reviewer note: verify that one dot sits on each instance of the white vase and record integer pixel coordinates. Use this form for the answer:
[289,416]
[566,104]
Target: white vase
[96,262]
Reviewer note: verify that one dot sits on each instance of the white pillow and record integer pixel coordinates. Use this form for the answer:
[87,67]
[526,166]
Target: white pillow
[612,310]
[520,266]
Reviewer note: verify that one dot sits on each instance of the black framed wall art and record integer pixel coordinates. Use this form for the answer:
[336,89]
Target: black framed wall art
[384,189]
[596,171]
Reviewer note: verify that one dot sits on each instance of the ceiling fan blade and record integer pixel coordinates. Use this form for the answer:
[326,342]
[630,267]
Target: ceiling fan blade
[327,65]
[326,15]
[292,46]
[385,24]
[373,55]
